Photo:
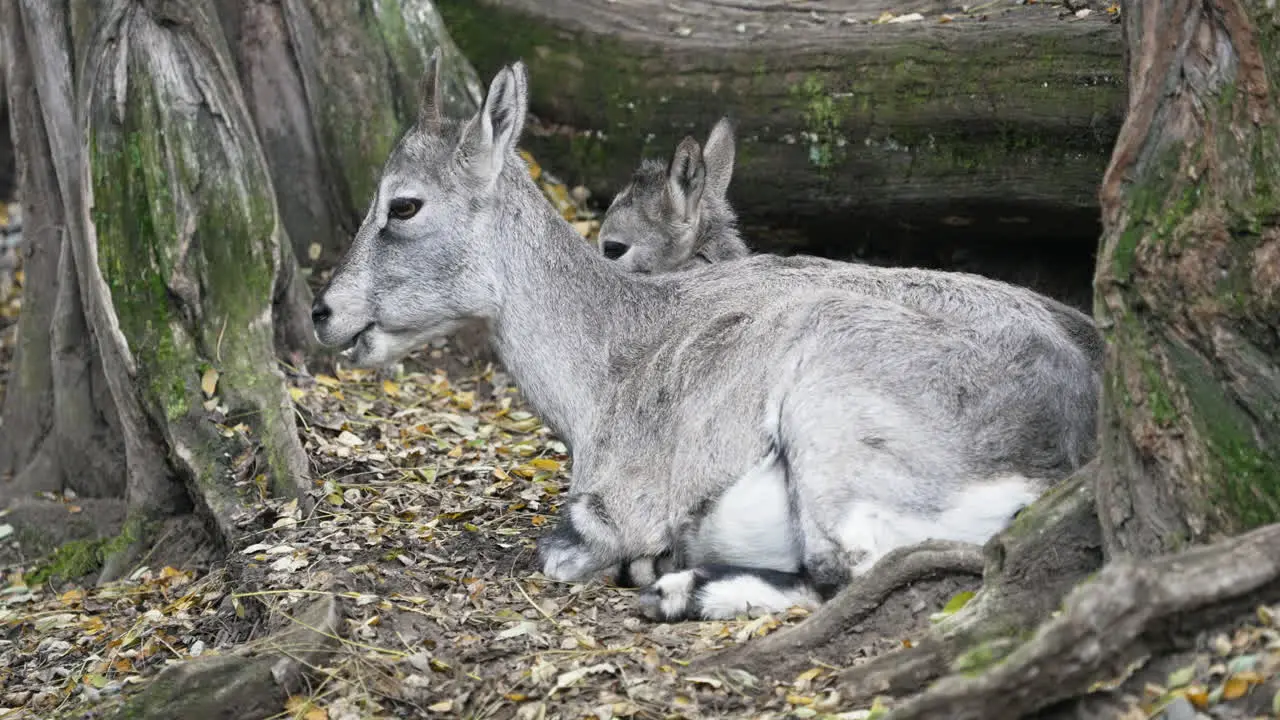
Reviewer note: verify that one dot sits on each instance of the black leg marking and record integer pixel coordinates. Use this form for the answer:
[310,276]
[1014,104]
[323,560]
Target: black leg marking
[582,542]
[827,576]
[682,596]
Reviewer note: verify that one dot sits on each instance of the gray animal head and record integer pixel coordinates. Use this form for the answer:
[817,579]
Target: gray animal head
[676,216]
[409,275]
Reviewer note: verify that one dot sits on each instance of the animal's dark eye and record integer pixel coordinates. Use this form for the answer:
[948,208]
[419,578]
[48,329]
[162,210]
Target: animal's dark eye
[404,208]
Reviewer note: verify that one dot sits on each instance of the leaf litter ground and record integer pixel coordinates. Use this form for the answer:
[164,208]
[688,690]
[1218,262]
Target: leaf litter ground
[432,483]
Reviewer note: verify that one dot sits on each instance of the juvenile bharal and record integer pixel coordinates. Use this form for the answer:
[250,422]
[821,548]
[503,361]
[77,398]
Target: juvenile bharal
[859,421]
[676,216]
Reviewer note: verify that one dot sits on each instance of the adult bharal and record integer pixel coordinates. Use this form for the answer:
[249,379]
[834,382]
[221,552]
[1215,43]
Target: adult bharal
[765,432]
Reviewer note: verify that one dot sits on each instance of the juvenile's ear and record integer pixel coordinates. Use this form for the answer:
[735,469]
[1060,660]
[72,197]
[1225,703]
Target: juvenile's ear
[718,156]
[686,178]
[491,136]
[429,103]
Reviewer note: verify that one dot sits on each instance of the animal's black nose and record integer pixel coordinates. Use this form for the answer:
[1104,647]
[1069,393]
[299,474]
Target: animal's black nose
[320,311]
[614,250]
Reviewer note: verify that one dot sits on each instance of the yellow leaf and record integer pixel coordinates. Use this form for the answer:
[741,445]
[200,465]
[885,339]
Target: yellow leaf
[808,675]
[313,251]
[297,394]
[390,388]
[96,680]
[799,700]
[1235,687]
[443,706]
[456,452]
[539,520]
[327,380]
[71,597]
[1198,696]
[316,713]
[535,170]
[957,601]
[545,464]
[501,474]
[209,382]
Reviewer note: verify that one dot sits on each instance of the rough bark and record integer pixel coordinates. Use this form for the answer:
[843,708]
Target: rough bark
[188,246]
[60,429]
[331,85]
[1131,610]
[250,683]
[137,147]
[1188,279]
[860,133]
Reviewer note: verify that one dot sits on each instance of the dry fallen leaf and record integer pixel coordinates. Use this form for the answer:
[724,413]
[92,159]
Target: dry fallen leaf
[209,382]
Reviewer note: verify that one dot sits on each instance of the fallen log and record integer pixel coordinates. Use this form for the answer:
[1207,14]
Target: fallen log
[994,124]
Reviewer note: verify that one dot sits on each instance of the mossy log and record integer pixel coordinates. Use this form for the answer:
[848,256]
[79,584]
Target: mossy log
[996,127]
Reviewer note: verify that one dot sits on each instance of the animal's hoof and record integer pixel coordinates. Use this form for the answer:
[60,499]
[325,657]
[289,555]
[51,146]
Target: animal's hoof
[671,598]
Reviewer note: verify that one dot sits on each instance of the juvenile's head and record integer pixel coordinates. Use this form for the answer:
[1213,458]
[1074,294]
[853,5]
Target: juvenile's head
[426,256]
[677,216]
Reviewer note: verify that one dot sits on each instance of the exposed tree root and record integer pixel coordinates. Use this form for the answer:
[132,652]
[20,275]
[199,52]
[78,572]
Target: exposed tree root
[897,570]
[1132,609]
[247,684]
[1027,570]
[1030,567]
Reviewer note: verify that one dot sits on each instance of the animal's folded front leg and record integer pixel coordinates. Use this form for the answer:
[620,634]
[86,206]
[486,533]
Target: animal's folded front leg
[584,542]
[722,592]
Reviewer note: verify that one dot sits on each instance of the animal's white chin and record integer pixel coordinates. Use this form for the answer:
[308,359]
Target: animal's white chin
[374,346]
[353,348]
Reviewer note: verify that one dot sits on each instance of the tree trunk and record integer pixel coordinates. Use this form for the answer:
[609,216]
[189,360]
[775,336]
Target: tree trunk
[61,430]
[157,259]
[331,85]
[142,358]
[922,133]
[1188,292]
[1188,280]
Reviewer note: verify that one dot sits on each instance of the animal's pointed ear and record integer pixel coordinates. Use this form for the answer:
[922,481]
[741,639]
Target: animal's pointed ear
[429,94]
[718,156]
[686,178]
[491,136]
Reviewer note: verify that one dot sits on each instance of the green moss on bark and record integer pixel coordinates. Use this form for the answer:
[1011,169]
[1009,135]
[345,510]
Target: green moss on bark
[188,242]
[134,215]
[78,558]
[1244,484]
[623,100]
